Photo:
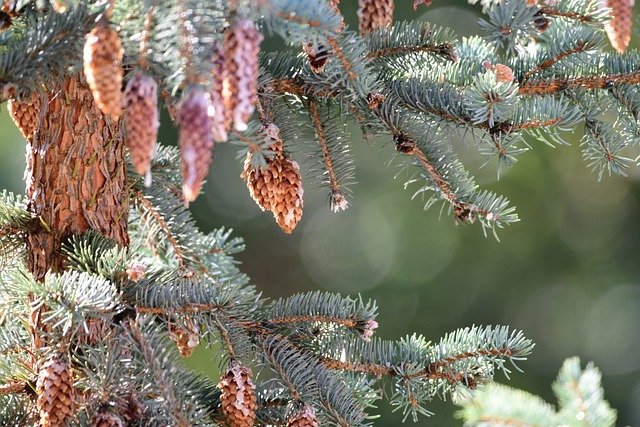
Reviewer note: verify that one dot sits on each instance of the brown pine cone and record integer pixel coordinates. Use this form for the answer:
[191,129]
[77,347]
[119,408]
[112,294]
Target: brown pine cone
[374,14]
[56,399]
[241,48]
[619,28]
[141,124]
[186,338]
[304,417]
[220,97]
[238,396]
[196,140]
[106,417]
[103,68]
[25,114]
[278,187]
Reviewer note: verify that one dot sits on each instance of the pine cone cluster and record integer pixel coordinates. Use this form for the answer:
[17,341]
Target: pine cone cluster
[374,14]
[141,124]
[238,396]
[103,68]
[196,140]
[241,48]
[619,28]
[25,114]
[56,395]
[106,417]
[305,417]
[278,187]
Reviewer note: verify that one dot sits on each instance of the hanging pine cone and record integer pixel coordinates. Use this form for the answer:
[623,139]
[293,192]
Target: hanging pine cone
[304,417]
[56,394]
[106,417]
[278,187]
[141,124]
[238,396]
[619,28]
[241,48]
[374,14]
[103,68]
[220,97]
[25,114]
[186,338]
[196,140]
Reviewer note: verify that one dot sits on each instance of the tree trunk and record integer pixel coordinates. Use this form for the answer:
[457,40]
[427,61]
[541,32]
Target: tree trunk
[76,180]
[76,176]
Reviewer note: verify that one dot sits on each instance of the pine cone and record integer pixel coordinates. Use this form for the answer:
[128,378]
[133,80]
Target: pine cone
[103,68]
[196,140]
[26,114]
[220,97]
[238,396]
[56,394]
[241,48]
[305,417]
[186,339]
[619,28]
[374,14]
[141,103]
[107,417]
[277,188]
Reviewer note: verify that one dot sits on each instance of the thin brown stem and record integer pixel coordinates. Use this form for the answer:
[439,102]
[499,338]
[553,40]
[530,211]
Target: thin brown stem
[552,11]
[338,51]
[317,123]
[555,85]
[580,47]
[151,210]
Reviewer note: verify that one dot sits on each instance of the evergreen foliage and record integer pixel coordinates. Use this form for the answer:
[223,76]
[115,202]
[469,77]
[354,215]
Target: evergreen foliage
[580,400]
[111,311]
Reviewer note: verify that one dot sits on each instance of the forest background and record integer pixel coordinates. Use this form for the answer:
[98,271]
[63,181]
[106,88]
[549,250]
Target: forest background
[567,274]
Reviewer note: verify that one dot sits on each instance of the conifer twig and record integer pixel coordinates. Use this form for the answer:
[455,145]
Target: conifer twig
[317,123]
[558,84]
[581,46]
[151,210]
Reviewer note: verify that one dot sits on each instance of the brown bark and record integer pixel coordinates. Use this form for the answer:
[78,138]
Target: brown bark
[76,176]
[76,180]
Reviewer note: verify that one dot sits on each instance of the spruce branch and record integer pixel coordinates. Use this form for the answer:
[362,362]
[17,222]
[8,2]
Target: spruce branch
[579,393]
[584,12]
[338,168]
[409,39]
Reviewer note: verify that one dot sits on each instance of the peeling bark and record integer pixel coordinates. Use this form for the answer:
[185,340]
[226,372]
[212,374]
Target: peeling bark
[76,176]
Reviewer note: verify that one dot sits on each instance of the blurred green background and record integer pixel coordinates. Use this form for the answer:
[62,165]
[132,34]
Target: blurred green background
[567,275]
